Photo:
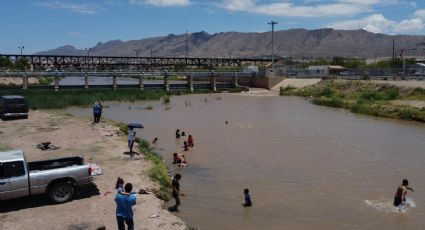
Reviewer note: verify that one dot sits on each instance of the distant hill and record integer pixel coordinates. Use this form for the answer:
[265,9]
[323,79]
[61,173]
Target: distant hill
[301,42]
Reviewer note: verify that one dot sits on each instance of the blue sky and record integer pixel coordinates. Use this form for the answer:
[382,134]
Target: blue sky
[46,24]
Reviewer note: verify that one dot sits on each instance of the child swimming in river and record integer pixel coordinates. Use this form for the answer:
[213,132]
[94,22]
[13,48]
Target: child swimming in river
[185,146]
[248,202]
[179,159]
[400,195]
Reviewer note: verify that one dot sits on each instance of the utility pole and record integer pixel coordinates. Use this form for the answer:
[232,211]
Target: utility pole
[137,50]
[393,64]
[187,47]
[272,23]
[151,53]
[21,48]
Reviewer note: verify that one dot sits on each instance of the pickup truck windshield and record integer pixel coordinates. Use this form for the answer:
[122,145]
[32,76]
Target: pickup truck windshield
[13,169]
[1,172]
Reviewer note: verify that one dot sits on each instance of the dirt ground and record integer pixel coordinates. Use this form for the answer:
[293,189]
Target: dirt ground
[94,208]
[17,81]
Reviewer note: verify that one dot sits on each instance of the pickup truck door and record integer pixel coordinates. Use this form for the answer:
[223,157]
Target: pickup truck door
[4,185]
[18,178]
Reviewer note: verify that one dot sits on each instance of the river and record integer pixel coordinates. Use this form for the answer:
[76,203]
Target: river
[307,167]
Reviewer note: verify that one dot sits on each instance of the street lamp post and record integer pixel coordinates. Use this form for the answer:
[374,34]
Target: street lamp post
[137,50]
[88,51]
[272,23]
[21,48]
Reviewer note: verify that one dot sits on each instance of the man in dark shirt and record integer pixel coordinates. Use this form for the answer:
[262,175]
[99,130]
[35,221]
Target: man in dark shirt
[176,193]
[248,202]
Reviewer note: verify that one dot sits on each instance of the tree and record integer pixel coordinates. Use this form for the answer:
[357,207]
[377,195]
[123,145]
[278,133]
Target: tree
[22,64]
[336,60]
[5,63]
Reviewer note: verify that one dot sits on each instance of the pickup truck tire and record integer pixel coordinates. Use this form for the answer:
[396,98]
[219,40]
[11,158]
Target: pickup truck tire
[61,192]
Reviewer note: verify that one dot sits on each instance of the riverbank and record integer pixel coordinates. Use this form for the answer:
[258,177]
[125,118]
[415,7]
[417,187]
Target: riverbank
[366,97]
[49,99]
[103,144]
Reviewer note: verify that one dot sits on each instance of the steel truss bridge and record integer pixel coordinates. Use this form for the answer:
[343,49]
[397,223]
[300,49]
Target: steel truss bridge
[140,63]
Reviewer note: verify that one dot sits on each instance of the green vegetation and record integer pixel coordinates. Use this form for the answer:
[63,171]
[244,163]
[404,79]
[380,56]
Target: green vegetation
[287,90]
[364,97]
[166,99]
[158,172]
[46,80]
[21,64]
[148,107]
[48,99]
[356,63]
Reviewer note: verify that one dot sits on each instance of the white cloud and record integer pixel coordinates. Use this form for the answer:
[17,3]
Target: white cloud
[377,23]
[409,25]
[420,14]
[75,33]
[160,2]
[78,8]
[288,9]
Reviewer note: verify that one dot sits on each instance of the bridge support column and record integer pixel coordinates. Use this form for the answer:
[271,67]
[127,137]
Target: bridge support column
[189,78]
[213,81]
[114,81]
[166,85]
[25,81]
[235,79]
[56,83]
[141,86]
[86,81]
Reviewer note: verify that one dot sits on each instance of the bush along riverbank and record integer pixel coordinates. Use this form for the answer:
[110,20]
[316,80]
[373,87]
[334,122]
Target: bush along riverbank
[365,97]
[159,171]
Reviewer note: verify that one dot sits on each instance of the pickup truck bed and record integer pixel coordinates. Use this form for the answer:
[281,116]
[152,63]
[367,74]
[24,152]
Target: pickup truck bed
[54,163]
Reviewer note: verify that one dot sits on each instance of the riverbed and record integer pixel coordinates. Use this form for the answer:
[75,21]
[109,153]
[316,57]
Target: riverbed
[307,167]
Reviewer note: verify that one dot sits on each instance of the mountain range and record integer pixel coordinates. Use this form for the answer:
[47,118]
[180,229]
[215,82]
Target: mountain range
[295,42]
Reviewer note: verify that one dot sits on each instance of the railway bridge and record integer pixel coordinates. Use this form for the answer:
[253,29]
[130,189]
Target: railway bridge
[42,62]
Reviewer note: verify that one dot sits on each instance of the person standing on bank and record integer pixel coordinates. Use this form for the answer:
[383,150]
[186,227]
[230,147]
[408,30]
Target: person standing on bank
[131,138]
[97,111]
[176,193]
[124,212]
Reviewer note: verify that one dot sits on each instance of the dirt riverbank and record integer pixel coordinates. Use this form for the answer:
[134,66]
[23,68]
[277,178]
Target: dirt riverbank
[102,144]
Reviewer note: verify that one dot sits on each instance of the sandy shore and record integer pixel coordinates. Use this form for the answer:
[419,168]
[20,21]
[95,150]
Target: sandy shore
[101,144]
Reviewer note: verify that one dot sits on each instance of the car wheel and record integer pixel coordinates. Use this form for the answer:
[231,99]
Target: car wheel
[61,192]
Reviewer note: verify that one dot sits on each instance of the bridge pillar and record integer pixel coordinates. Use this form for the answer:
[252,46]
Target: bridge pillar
[56,82]
[141,86]
[213,81]
[86,80]
[189,78]
[166,85]
[114,80]
[25,81]
[235,79]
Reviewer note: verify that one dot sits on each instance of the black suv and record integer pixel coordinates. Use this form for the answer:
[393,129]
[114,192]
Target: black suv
[13,106]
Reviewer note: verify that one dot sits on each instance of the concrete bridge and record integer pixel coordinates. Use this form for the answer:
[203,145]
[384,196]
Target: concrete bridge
[153,80]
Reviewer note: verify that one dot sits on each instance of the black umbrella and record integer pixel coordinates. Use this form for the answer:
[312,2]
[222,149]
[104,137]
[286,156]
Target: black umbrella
[135,125]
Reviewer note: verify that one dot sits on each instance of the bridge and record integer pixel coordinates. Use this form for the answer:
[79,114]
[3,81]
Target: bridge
[41,62]
[168,80]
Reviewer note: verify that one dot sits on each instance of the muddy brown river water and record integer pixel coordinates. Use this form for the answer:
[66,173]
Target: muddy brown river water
[307,167]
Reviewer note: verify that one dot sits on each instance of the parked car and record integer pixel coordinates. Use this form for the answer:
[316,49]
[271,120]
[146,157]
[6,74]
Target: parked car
[13,106]
[58,177]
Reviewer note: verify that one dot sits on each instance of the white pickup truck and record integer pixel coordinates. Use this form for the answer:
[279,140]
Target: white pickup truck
[57,177]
